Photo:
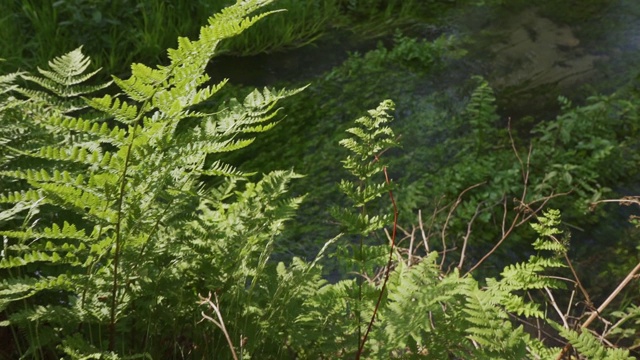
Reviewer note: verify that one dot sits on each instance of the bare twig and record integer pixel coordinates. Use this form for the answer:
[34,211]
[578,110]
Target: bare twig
[569,306]
[524,214]
[615,293]
[515,151]
[505,235]
[468,234]
[413,237]
[627,200]
[220,322]
[407,235]
[575,276]
[449,216]
[555,306]
[425,239]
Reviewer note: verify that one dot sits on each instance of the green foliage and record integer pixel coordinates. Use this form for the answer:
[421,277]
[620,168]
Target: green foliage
[582,154]
[601,134]
[449,316]
[120,210]
[301,23]
[125,177]
[317,121]
[591,347]
[116,33]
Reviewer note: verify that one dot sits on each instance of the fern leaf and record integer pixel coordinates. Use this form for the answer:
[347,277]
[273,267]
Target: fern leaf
[120,110]
[28,196]
[589,346]
[218,168]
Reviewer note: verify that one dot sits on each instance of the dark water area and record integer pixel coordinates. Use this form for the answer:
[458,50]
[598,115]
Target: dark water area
[529,55]
[534,55]
[297,66]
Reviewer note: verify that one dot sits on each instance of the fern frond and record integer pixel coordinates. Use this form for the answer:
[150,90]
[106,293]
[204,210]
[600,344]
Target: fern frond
[491,327]
[70,66]
[525,276]
[58,85]
[97,130]
[589,346]
[72,197]
[136,88]
[120,110]
[357,223]
[28,196]
[218,168]
[361,195]
[130,168]
[31,257]
[19,288]
[65,82]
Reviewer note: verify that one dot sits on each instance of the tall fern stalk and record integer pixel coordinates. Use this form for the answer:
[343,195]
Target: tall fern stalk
[369,140]
[394,231]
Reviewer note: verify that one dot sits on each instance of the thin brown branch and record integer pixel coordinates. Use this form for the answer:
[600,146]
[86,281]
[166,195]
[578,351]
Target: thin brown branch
[626,200]
[615,293]
[425,239]
[505,235]
[220,322]
[531,212]
[515,151]
[388,269]
[556,307]
[468,234]
[413,237]
[516,222]
[449,216]
[575,276]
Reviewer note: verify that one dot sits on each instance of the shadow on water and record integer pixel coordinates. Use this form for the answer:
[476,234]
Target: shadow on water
[296,66]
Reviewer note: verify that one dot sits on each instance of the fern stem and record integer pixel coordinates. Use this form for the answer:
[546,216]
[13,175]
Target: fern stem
[388,267]
[118,229]
[360,281]
[116,255]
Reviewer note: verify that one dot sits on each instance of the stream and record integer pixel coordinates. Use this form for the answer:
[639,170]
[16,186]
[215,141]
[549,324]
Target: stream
[521,54]
[529,56]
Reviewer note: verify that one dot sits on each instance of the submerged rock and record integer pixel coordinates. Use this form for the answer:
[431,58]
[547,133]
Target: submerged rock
[538,52]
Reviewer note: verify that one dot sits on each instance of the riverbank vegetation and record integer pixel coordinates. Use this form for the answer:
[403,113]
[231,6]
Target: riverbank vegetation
[115,33]
[168,213]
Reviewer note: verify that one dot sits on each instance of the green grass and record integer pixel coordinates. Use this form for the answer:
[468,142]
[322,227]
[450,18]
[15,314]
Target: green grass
[119,32]
[302,23]
[114,33]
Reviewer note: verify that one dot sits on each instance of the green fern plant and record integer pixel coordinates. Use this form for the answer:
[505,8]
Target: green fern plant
[126,175]
[446,316]
[332,320]
[369,140]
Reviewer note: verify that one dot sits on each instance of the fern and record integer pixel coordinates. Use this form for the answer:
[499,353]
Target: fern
[126,173]
[421,307]
[589,346]
[368,141]
[448,316]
